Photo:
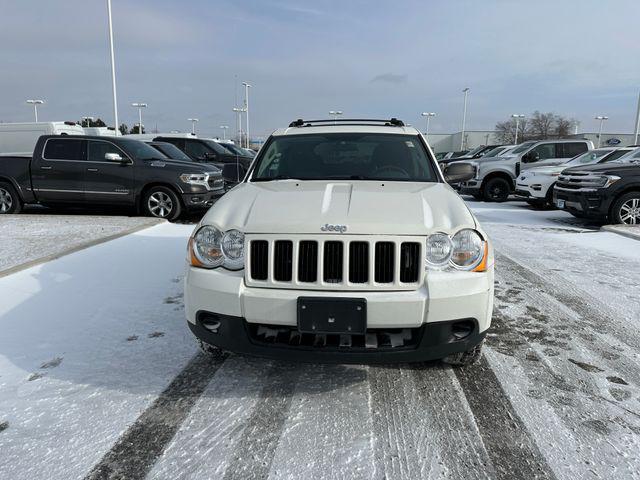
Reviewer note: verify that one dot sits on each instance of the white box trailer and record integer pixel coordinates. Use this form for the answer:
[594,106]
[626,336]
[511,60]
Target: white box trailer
[20,138]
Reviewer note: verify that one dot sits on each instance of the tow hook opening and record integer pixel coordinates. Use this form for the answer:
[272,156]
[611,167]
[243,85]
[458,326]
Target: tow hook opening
[461,330]
[211,323]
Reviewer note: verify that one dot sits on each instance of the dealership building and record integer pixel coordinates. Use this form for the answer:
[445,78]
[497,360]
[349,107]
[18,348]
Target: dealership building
[452,142]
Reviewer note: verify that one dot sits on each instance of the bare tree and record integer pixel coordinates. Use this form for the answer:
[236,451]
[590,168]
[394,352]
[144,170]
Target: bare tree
[565,126]
[538,126]
[506,131]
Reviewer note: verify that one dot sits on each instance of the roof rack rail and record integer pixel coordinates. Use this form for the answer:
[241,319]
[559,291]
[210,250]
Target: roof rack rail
[392,122]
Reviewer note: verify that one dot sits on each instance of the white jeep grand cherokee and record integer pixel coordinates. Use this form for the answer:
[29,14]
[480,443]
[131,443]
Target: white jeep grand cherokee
[343,243]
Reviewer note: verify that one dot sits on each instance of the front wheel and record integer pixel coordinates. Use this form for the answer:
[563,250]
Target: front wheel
[161,202]
[468,357]
[626,209]
[9,200]
[497,190]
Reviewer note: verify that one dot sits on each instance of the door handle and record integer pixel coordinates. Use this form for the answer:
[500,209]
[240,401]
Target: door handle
[92,169]
[45,168]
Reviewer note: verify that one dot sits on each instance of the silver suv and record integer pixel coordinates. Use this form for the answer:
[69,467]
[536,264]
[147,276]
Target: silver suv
[495,177]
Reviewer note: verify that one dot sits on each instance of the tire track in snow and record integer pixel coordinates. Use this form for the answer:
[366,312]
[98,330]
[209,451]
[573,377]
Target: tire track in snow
[394,446]
[139,447]
[513,452]
[255,450]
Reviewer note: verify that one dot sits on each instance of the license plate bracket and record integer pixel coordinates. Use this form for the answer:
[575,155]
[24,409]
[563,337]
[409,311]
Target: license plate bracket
[332,315]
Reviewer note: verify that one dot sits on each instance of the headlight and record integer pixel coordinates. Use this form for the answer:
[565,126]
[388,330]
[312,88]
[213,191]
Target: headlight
[606,181]
[233,249]
[439,249]
[206,249]
[468,249]
[196,179]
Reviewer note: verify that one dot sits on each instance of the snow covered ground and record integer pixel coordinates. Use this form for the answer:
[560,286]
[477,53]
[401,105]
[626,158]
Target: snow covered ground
[100,378]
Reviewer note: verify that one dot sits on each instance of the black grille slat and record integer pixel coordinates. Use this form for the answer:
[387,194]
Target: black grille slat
[409,262]
[384,262]
[333,253]
[283,260]
[259,259]
[358,262]
[308,261]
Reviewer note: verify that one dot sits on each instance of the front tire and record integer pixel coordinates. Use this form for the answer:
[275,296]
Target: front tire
[496,190]
[161,202]
[9,200]
[468,357]
[626,209]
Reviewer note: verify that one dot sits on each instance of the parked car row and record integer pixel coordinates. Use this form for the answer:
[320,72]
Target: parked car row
[601,183]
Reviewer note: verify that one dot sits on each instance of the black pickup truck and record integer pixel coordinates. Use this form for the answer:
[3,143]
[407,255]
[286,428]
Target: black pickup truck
[609,191]
[207,150]
[88,170]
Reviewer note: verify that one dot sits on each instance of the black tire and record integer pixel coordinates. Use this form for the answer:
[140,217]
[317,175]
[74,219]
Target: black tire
[626,209]
[161,202]
[10,202]
[549,198]
[496,190]
[462,359]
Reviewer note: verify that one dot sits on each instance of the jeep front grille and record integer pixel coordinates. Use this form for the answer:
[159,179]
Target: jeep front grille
[335,262]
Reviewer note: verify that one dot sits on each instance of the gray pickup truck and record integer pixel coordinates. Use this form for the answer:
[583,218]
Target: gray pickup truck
[495,177]
[89,170]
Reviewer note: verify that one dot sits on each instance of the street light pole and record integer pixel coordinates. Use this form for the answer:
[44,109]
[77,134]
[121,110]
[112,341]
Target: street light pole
[239,111]
[602,118]
[193,125]
[35,104]
[428,116]
[140,106]
[113,71]
[224,131]
[464,116]
[335,114]
[246,108]
[517,117]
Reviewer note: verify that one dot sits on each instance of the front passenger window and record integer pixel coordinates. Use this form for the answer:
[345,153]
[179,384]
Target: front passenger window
[573,149]
[544,152]
[97,150]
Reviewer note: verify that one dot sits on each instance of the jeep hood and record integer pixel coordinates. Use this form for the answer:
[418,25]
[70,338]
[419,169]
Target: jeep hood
[364,207]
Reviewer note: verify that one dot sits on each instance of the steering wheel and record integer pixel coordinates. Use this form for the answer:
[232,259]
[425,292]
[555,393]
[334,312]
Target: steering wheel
[392,168]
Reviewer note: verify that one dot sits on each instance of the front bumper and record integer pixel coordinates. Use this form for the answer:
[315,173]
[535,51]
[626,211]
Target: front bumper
[591,203]
[197,201]
[445,299]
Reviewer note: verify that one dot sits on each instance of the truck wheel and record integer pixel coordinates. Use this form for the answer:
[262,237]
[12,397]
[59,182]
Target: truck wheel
[626,209]
[9,200]
[496,190]
[161,202]
[462,359]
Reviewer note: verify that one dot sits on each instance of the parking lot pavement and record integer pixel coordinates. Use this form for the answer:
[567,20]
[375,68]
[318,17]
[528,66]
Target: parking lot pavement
[99,376]
[29,239]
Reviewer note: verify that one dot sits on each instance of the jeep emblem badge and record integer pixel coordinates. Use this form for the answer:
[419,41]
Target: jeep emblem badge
[333,228]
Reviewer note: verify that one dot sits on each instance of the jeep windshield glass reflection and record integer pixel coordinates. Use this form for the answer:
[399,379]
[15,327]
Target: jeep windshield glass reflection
[352,156]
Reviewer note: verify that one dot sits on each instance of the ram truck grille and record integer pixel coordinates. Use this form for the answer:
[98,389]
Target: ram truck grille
[335,262]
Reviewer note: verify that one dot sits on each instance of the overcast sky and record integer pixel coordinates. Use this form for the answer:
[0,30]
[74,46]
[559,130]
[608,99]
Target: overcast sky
[370,59]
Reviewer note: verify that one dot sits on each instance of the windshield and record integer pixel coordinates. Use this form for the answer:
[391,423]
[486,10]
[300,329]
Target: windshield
[472,152]
[522,147]
[346,156]
[615,155]
[495,152]
[171,151]
[632,156]
[586,158]
[140,150]
[233,149]
[215,146]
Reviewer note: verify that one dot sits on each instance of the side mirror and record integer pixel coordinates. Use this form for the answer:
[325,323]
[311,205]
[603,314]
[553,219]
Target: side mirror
[233,172]
[530,157]
[112,157]
[459,172]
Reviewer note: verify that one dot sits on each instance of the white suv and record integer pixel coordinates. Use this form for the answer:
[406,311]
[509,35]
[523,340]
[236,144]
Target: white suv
[343,243]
